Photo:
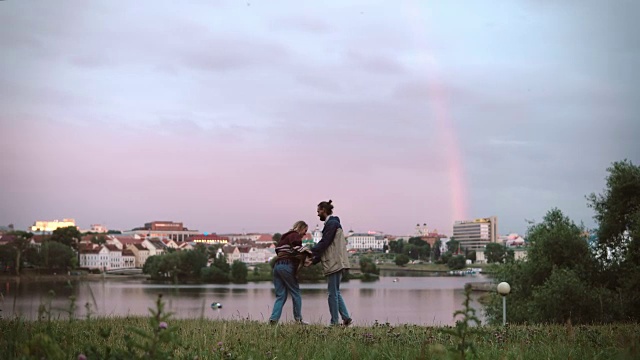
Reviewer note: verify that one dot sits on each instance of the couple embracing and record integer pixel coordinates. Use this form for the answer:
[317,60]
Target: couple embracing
[331,250]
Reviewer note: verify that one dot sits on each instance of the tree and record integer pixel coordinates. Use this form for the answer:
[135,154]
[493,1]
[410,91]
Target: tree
[402,259]
[457,262]
[417,241]
[617,212]
[435,250]
[412,251]
[558,254]
[444,258]
[367,266]
[214,275]
[396,247]
[558,242]
[494,253]
[566,296]
[276,238]
[21,242]
[192,262]
[311,273]
[7,256]
[152,267]
[470,255]
[221,263]
[57,256]
[509,255]
[99,239]
[239,272]
[453,246]
[69,236]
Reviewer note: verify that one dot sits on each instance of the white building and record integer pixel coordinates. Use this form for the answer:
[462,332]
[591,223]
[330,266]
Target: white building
[115,257]
[140,252]
[128,259]
[233,238]
[361,241]
[98,228]
[512,239]
[231,252]
[317,235]
[108,257]
[96,258]
[155,246]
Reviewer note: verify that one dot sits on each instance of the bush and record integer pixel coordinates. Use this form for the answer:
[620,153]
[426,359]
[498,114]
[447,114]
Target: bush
[367,266]
[239,272]
[402,260]
[214,275]
[457,262]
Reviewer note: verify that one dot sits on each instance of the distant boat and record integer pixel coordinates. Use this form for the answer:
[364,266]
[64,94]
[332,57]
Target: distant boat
[395,280]
[216,305]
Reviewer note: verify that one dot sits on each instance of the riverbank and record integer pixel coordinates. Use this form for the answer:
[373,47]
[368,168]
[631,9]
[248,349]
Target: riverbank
[206,339]
[438,268]
[66,277]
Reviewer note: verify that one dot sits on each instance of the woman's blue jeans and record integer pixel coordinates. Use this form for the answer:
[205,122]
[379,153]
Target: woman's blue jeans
[285,283]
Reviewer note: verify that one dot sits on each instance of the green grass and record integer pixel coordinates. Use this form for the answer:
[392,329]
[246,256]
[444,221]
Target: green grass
[240,339]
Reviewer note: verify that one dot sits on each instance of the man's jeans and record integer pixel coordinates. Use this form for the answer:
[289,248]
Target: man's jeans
[285,283]
[336,304]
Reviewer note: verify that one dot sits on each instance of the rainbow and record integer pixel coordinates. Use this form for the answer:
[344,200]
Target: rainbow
[439,108]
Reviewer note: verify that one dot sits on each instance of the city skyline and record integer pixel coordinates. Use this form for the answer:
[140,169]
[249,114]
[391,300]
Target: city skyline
[245,115]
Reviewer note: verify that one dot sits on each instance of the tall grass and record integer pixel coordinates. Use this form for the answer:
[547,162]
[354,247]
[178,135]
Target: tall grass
[161,337]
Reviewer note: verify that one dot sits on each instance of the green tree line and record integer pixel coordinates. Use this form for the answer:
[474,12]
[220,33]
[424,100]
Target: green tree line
[572,274]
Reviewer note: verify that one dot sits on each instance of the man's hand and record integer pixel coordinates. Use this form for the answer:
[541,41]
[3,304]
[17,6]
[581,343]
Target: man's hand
[308,261]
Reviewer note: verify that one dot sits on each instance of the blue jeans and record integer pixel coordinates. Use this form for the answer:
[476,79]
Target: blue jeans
[336,304]
[285,283]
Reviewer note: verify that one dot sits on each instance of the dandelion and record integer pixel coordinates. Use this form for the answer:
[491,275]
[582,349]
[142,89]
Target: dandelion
[163,325]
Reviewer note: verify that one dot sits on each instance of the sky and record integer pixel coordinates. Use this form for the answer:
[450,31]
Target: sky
[235,116]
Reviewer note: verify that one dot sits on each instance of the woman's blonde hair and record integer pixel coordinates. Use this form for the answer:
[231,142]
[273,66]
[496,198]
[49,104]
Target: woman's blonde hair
[299,225]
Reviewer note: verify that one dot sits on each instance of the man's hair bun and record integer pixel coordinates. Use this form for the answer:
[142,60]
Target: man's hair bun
[327,206]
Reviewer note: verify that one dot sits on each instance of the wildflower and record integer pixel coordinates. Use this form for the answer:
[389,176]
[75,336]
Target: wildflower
[220,343]
[163,325]
[82,357]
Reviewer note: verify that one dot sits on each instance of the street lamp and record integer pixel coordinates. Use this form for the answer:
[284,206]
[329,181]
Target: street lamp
[504,289]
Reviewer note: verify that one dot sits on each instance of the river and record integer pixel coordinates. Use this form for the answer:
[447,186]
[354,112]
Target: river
[398,298]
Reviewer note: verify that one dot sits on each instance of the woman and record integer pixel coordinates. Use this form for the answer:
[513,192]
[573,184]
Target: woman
[288,260]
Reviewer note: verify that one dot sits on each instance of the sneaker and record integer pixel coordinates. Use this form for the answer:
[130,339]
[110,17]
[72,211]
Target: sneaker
[302,322]
[347,322]
[273,322]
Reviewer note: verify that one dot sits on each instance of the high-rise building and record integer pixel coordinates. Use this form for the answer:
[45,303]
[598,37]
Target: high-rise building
[162,230]
[476,234]
[164,226]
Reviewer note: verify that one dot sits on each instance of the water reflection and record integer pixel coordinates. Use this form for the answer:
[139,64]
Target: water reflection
[410,299]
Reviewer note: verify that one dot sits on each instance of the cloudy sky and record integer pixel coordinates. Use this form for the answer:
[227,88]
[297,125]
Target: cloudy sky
[243,115]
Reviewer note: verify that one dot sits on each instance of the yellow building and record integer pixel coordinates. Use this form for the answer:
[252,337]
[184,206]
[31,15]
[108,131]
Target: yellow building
[51,226]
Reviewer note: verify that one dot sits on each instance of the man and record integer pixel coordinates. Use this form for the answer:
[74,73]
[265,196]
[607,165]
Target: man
[332,251]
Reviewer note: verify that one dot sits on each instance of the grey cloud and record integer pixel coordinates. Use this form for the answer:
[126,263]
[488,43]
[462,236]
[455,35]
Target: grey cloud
[220,54]
[375,63]
[92,61]
[321,83]
[301,23]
